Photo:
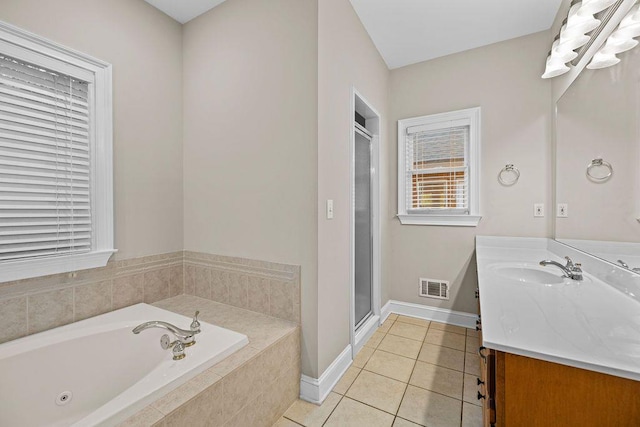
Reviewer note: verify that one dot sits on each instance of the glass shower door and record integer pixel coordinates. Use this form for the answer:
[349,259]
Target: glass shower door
[363,239]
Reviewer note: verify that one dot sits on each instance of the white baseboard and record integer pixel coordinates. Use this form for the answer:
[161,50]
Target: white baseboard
[315,390]
[458,318]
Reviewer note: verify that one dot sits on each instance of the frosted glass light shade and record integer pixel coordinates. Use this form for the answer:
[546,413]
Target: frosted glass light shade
[565,56]
[617,43]
[580,24]
[632,17]
[555,67]
[570,41]
[591,7]
[603,60]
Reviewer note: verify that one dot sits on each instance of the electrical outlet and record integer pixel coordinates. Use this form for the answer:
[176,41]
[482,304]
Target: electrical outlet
[538,210]
[563,210]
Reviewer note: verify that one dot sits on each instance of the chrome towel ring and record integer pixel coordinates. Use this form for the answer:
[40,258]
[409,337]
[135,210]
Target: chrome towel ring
[509,175]
[599,163]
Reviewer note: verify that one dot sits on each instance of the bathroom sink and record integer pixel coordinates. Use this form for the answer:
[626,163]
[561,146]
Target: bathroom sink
[528,274]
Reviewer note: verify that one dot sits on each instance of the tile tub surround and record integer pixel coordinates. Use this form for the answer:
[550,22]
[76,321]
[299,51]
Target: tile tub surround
[264,287]
[252,387]
[34,305]
[427,379]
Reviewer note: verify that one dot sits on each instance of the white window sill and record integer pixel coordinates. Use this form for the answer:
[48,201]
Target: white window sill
[446,220]
[29,268]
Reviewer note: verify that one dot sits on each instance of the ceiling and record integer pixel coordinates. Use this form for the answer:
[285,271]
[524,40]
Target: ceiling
[184,11]
[410,31]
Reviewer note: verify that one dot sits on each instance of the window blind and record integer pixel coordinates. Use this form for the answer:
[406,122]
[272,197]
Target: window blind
[437,169]
[45,180]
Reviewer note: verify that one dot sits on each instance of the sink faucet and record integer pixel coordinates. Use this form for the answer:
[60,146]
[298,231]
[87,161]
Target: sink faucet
[571,270]
[185,338]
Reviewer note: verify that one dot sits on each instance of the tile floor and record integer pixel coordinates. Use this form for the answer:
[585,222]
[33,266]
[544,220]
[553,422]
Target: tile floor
[411,372]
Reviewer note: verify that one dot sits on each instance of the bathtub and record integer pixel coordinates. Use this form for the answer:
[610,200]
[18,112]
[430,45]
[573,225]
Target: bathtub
[96,372]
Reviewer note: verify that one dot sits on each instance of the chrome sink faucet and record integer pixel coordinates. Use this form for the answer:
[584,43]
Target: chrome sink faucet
[185,338]
[571,270]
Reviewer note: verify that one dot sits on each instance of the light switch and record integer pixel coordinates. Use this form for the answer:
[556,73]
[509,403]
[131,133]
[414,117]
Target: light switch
[329,209]
[538,210]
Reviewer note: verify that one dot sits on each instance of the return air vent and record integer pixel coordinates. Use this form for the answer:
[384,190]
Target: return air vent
[431,288]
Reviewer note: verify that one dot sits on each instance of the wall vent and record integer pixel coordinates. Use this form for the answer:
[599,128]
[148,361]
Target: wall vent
[431,288]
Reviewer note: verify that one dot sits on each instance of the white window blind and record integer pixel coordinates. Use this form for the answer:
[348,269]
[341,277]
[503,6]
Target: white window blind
[45,179]
[437,169]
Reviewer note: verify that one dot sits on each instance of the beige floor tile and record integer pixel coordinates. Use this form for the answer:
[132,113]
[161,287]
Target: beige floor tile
[442,356]
[362,357]
[472,333]
[377,391]
[355,414]
[375,339]
[472,364]
[445,339]
[470,389]
[392,316]
[407,330]
[386,325]
[448,328]
[402,346]
[310,415]
[283,422]
[399,422]
[472,344]
[390,365]
[471,415]
[436,378]
[347,379]
[430,409]
[414,321]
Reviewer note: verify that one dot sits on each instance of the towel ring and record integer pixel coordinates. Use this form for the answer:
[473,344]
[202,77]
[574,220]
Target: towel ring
[509,169]
[596,163]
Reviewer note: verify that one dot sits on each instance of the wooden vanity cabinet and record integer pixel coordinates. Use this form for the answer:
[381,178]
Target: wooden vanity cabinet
[519,391]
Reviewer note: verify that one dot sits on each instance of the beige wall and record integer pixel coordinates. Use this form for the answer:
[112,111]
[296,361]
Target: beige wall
[346,58]
[144,47]
[598,118]
[250,139]
[503,79]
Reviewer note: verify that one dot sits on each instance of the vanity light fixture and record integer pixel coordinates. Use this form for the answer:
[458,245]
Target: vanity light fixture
[574,39]
[621,40]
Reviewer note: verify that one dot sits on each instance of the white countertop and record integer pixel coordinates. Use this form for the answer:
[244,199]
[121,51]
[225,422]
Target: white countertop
[589,324]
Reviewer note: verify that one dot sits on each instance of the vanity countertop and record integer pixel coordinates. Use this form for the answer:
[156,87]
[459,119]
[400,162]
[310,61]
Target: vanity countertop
[588,324]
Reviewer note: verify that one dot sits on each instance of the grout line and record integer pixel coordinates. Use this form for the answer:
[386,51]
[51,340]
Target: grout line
[293,421]
[334,409]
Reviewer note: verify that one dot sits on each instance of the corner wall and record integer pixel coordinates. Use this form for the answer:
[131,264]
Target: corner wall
[144,47]
[250,140]
[503,79]
[346,57]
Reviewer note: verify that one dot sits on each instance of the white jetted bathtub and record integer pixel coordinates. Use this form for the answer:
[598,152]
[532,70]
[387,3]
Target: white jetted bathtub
[96,372]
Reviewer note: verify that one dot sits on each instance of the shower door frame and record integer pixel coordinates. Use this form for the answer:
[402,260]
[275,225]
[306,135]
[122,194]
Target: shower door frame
[369,326]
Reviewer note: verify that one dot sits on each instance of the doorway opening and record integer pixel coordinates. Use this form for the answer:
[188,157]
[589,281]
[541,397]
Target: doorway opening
[365,221]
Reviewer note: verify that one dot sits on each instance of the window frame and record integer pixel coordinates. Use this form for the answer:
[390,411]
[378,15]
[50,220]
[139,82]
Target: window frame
[471,116]
[34,49]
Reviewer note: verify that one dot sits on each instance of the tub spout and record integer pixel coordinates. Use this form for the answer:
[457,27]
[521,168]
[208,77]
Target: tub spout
[186,337]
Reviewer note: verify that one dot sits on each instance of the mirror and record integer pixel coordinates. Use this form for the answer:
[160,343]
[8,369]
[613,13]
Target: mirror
[597,135]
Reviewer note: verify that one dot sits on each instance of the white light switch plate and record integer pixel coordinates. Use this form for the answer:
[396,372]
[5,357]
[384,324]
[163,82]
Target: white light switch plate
[538,210]
[329,209]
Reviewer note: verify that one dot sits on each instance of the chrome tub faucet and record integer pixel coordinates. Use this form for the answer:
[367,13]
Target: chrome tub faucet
[185,338]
